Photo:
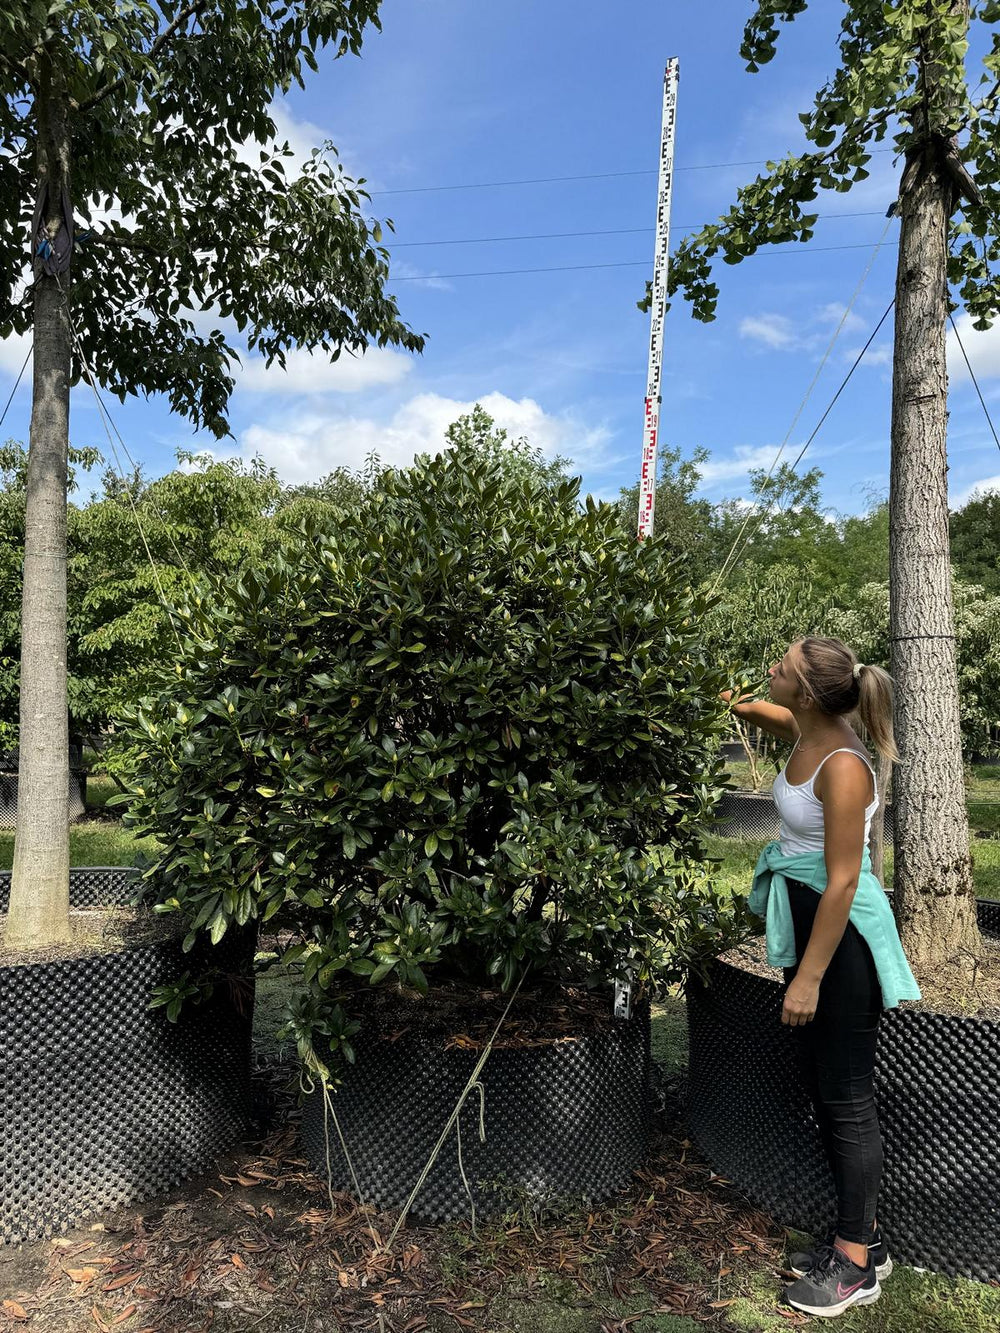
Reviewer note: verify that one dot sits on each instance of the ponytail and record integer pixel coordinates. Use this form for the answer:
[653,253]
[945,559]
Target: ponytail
[875,709]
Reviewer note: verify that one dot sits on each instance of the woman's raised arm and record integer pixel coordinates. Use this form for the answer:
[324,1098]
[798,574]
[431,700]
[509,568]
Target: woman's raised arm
[771,718]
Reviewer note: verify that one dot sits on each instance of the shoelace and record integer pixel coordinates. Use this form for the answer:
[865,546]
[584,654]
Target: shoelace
[826,1257]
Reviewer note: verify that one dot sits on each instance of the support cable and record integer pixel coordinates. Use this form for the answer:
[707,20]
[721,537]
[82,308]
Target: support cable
[17,382]
[816,429]
[972,375]
[106,422]
[109,425]
[726,564]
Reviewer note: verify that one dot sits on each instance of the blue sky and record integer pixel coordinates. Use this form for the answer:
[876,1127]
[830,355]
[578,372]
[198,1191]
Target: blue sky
[454,93]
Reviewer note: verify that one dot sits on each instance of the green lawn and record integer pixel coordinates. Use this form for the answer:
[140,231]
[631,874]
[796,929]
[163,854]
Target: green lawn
[92,842]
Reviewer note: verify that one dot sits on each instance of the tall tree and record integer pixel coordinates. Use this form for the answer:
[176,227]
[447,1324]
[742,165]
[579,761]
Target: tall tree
[683,520]
[151,121]
[901,72]
[975,539]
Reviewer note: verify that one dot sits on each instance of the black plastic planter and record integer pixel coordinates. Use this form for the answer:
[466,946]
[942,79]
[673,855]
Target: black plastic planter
[103,1101]
[568,1120]
[938,1089]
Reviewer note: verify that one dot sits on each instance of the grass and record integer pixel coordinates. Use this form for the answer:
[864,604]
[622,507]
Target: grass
[91,843]
[100,789]
[738,858]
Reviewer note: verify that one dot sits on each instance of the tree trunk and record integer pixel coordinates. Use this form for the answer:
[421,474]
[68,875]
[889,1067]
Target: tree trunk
[38,915]
[933,867]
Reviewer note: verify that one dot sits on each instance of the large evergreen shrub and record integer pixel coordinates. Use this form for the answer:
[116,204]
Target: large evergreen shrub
[470,734]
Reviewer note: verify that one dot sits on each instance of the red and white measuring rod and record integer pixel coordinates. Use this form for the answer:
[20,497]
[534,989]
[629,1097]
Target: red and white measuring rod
[651,421]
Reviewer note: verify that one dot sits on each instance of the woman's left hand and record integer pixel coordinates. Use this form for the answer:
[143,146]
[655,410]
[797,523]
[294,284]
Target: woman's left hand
[801,999]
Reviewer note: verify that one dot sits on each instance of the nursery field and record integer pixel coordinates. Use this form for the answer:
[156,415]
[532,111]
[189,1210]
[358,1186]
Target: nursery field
[255,1244]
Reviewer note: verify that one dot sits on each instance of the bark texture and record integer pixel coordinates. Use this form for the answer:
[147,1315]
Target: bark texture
[39,901]
[933,867]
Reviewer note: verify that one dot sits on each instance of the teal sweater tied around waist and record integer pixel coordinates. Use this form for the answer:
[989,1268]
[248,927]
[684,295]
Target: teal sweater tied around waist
[870,913]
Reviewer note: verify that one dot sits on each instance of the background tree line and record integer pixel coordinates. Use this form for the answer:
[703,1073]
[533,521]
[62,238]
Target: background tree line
[136,543]
[801,568]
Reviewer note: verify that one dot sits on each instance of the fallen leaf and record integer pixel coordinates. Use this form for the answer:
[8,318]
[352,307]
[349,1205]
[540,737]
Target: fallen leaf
[122,1281]
[99,1320]
[14,1310]
[127,1313]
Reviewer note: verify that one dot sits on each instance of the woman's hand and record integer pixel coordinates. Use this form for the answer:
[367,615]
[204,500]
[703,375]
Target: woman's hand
[801,999]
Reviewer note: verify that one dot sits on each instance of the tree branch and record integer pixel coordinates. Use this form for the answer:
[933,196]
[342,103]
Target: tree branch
[164,38]
[15,67]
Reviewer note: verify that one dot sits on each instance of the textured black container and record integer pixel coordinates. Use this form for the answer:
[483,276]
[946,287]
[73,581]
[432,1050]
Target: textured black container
[938,1090]
[102,1100]
[571,1119]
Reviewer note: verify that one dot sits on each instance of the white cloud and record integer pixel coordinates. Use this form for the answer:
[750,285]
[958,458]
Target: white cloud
[834,311]
[745,458]
[307,372]
[13,350]
[983,349]
[772,330]
[875,356]
[966,494]
[811,334]
[305,446]
[301,136]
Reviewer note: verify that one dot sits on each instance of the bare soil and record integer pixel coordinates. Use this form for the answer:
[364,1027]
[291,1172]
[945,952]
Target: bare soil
[94,931]
[951,991]
[464,1016]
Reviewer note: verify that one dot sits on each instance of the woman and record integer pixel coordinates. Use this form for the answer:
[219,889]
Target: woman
[829,925]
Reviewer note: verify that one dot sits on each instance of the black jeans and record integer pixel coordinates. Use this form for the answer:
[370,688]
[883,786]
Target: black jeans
[837,1056]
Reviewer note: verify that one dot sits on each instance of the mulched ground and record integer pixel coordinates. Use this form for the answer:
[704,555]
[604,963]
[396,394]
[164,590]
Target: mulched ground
[964,995]
[259,1246]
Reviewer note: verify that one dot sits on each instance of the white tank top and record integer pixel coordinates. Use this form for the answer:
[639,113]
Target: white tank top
[801,811]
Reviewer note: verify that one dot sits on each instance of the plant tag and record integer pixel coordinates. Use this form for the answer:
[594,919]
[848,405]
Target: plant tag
[623,1000]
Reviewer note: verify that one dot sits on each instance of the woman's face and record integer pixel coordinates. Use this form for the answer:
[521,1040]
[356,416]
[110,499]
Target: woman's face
[784,684]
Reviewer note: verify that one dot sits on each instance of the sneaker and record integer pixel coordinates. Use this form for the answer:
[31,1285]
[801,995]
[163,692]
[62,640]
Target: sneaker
[834,1284]
[801,1261]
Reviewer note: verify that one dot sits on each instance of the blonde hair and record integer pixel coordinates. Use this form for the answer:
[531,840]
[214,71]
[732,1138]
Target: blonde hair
[830,674]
